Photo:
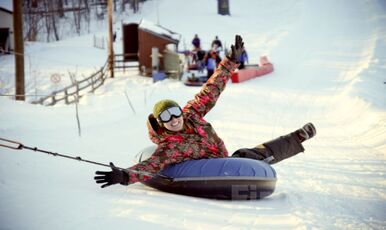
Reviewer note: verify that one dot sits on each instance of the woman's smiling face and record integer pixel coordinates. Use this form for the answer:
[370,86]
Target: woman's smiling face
[175,124]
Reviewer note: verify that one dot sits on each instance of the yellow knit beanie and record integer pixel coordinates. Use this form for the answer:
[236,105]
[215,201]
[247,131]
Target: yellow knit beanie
[162,105]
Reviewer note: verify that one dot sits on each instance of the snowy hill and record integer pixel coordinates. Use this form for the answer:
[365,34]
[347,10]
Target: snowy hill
[330,68]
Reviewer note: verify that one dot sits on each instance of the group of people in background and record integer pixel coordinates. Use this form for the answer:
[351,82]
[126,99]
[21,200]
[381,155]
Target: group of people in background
[210,59]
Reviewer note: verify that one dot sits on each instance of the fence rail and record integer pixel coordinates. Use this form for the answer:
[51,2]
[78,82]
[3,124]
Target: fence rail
[71,93]
[120,64]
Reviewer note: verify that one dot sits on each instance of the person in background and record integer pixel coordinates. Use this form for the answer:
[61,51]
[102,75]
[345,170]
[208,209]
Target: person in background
[182,133]
[200,60]
[216,44]
[196,42]
[212,59]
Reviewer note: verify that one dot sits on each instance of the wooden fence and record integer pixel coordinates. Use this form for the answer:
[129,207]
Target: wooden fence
[121,65]
[71,93]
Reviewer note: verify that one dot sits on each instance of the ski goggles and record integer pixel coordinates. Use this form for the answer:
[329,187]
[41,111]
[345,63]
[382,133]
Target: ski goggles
[169,113]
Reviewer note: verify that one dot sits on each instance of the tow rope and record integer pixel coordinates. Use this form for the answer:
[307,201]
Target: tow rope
[19,146]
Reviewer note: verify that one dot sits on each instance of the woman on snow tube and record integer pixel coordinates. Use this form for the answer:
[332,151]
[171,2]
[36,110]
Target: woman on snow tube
[218,178]
[182,134]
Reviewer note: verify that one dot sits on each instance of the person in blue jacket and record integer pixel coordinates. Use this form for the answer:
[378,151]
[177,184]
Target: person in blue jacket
[212,60]
[243,58]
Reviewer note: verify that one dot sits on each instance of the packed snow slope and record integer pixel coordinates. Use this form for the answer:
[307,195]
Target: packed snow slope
[330,68]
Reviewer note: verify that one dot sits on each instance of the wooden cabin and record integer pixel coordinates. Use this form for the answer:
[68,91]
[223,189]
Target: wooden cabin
[6,27]
[139,39]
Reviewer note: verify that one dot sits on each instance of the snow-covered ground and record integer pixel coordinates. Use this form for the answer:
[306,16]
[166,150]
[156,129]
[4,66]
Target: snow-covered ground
[330,68]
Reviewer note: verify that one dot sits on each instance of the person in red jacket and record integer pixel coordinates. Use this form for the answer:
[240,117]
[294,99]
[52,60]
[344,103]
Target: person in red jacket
[182,133]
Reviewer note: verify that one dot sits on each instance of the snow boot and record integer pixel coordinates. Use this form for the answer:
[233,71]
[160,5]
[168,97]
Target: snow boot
[280,148]
[306,132]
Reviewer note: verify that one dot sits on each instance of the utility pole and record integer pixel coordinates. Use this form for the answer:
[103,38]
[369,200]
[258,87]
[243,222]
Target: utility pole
[19,49]
[111,51]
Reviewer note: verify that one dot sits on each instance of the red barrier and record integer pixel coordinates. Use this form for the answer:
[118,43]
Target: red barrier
[252,72]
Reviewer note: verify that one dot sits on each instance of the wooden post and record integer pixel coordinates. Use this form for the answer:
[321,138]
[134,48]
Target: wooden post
[92,83]
[111,51]
[19,49]
[66,97]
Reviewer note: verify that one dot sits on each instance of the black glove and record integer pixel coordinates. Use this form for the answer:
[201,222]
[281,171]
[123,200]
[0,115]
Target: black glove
[237,49]
[114,177]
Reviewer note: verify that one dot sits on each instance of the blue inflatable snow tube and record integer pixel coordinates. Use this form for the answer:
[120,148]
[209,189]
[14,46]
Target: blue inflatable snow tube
[218,178]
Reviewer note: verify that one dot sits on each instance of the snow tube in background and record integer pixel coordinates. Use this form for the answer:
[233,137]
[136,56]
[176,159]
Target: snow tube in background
[217,178]
[251,72]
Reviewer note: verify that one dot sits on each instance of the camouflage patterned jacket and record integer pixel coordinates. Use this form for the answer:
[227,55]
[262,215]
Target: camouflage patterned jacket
[198,139]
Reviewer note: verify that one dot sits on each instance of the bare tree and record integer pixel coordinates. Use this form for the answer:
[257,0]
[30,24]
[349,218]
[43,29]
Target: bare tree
[47,19]
[134,4]
[87,13]
[51,14]
[31,27]
[31,20]
[42,17]
[123,8]
[60,8]
[54,19]
[77,15]
[34,3]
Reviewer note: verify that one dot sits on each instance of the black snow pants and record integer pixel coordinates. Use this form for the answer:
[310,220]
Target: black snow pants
[273,151]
